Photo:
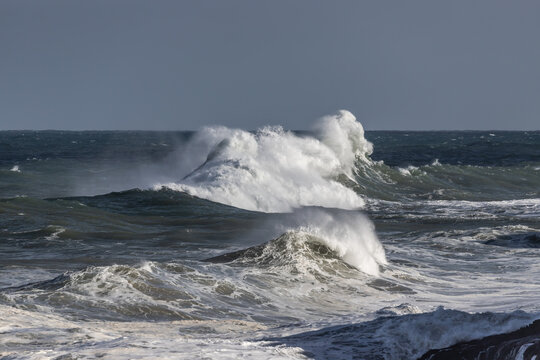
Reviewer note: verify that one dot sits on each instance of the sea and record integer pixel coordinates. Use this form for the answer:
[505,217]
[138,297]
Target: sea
[221,243]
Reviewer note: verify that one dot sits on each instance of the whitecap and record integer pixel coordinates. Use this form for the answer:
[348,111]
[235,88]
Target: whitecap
[274,170]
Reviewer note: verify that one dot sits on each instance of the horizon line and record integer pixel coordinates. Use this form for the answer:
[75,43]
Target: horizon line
[253,130]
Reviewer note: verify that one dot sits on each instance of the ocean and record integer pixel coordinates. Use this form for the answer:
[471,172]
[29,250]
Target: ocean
[330,243]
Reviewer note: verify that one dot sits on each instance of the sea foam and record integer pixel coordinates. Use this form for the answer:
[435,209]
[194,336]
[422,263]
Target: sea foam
[273,170]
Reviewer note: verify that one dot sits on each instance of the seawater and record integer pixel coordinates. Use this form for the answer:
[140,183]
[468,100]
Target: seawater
[220,243]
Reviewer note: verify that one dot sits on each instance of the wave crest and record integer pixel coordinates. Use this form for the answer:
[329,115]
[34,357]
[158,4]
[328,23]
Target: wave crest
[274,170]
[317,241]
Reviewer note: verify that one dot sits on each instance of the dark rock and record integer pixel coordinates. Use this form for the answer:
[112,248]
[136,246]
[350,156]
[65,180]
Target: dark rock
[528,240]
[524,343]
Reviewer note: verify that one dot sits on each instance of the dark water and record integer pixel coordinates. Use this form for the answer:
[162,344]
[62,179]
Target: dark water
[223,242]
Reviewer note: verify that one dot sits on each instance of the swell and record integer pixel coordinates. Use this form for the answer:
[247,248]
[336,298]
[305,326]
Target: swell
[154,203]
[436,181]
[475,148]
[107,229]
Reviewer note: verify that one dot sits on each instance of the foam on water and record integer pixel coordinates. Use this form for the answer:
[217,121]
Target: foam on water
[410,170]
[274,170]
[457,209]
[32,335]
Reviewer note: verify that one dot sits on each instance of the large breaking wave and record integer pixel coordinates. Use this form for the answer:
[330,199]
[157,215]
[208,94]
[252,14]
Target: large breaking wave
[274,170]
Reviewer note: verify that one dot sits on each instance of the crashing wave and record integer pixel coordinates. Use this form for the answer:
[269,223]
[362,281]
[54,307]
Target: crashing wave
[292,252]
[274,170]
[317,242]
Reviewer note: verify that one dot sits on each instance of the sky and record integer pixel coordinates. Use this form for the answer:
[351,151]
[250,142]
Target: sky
[181,65]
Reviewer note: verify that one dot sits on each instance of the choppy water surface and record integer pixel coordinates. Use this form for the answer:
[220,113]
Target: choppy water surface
[329,243]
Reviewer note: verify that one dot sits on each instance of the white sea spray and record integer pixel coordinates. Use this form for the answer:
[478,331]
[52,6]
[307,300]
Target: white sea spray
[274,170]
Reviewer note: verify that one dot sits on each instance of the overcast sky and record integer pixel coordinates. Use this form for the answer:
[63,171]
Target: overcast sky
[179,65]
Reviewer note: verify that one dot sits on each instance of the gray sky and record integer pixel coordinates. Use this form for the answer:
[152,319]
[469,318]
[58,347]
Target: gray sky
[178,65]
